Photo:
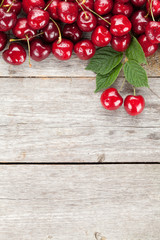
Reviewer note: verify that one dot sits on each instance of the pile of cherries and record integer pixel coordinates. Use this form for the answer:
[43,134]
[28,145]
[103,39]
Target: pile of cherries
[59,26]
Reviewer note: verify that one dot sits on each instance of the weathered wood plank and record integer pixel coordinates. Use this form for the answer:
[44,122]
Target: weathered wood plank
[72,68]
[61,120]
[74,202]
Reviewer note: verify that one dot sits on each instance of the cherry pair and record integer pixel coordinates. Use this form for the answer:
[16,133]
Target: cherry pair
[112,100]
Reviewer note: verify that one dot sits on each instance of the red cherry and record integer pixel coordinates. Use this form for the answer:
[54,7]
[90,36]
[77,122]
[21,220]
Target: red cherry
[153,32]
[67,11]
[139,21]
[120,25]
[101,37]
[103,7]
[86,21]
[147,46]
[88,3]
[122,8]
[16,6]
[7,20]
[101,22]
[50,32]
[72,32]
[38,18]
[134,105]
[111,99]
[63,50]
[3,40]
[155,4]
[84,49]
[138,3]
[120,44]
[122,1]
[15,55]
[52,9]
[28,5]
[22,29]
[39,50]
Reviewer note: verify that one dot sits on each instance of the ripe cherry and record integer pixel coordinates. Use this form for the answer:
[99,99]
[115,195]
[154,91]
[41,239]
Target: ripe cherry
[122,8]
[38,18]
[67,11]
[28,5]
[139,21]
[50,32]
[134,105]
[3,40]
[72,32]
[103,7]
[62,50]
[52,9]
[88,3]
[111,99]
[15,55]
[122,1]
[138,3]
[39,50]
[86,21]
[101,37]
[15,6]
[120,25]
[101,22]
[120,44]
[153,32]
[7,20]
[155,6]
[84,49]
[148,47]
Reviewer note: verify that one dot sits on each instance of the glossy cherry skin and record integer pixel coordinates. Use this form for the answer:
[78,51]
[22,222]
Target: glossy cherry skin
[16,6]
[7,20]
[120,44]
[15,55]
[138,3]
[103,7]
[101,22]
[88,4]
[3,40]
[139,21]
[38,18]
[111,99]
[52,9]
[67,11]
[50,32]
[63,50]
[148,48]
[84,49]
[134,105]
[155,7]
[22,29]
[101,37]
[122,8]
[28,5]
[86,24]
[153,32]
[72,32]
[120,25]
[39,50]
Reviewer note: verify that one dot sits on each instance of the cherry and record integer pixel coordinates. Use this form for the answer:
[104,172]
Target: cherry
[50,32]
[120,25]
[122,8]
[72,32]
[120,44]
[38,18]
[111,99]
[88,3]
[138,3]
[139,21]
[122,1]
[22,29]
[103,7]
[148,47]
[67,11]
[15,6]
[101,37]
[3,40]
[7,20]
[134,105]
[52,8]
[15,55]
[155,6]
[39,50]
[84,49]
[153,32]
[28,5]
[86,21]
[101,22]
[62,50]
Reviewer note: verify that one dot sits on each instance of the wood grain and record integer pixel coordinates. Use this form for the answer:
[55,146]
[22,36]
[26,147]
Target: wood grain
[61,120]
[74,202]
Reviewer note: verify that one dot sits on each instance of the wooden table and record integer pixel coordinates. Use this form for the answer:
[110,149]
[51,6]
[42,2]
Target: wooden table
[54,137]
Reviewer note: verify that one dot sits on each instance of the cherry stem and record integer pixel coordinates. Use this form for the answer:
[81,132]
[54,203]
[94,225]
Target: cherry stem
[134,91]
[10,6]
[1,3]
[24,39]
[60,35]
[122,85]
[48,5]
[82,7]
[151,3]
[29,51]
